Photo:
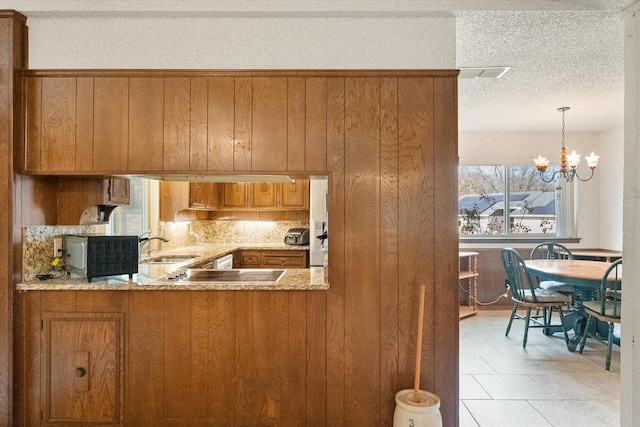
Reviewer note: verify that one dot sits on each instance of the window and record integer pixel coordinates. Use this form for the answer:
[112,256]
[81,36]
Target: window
[505,200]
[132,219]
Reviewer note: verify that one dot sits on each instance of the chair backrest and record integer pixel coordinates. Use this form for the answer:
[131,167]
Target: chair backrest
[610,290]
[517,276]
[550,250]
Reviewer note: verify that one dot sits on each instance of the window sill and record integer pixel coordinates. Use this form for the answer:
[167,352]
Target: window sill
[511,239]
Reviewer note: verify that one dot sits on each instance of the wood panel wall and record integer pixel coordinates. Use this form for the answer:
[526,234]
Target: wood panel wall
[388,141]
[13,58]
[491,277]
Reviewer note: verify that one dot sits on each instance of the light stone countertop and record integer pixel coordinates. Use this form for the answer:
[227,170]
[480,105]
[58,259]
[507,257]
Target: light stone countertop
[154,276]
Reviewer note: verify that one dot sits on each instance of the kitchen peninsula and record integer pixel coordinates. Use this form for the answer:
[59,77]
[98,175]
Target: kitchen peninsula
[386,139]
[155,276]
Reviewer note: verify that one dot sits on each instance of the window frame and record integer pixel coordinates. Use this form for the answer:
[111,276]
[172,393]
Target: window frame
[565,213]
[114,223]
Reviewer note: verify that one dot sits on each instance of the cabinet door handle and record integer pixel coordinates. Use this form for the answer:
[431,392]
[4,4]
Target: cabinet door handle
[81,372]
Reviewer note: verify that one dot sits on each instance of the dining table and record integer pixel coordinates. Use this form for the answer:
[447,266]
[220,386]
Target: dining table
[585,276]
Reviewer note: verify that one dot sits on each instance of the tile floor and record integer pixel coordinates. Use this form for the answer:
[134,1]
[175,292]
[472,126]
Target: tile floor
[502,384]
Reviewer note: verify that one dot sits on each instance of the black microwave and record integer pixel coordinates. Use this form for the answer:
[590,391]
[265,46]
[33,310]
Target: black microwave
[96,255]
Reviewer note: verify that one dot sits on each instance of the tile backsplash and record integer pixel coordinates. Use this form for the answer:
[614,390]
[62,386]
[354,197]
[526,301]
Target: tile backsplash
[37,248]
[194,232]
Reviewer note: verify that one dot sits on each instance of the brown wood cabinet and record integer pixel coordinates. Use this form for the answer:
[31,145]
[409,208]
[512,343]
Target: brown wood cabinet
[111,121]
[270,259]
[117,192]
[203,195]
[234,196]
[83,365]
[266,196]
[76,195]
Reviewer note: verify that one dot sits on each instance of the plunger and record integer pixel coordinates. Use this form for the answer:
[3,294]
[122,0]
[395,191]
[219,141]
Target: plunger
[416,381]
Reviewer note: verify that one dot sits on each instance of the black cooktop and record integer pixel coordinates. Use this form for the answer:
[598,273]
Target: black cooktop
[240,275]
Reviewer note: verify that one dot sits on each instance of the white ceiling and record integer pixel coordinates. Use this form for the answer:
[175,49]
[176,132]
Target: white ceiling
[558,58]
[562,52]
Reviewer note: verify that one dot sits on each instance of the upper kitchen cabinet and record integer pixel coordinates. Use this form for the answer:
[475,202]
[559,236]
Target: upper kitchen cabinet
[117,191]
[84,122]
[265,196]
[203,195]
[89,200]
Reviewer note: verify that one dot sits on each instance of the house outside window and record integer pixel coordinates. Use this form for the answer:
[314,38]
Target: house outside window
[506,200]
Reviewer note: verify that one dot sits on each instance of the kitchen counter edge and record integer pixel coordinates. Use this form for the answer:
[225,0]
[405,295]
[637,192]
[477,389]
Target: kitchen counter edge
[154,277]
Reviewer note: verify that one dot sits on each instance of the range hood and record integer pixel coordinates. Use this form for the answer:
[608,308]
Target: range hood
[222,178]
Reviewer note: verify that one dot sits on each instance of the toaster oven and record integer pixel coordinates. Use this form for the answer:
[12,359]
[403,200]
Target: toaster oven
[93,255]
[297,236]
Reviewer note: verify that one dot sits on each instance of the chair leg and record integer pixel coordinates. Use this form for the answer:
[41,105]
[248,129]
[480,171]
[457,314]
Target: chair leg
[609,343]
[526,327]
[585,333]
[513,314]
[546,320]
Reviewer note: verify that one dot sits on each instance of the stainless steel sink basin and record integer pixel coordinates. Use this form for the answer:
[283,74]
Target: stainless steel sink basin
[236,276]
[170,259]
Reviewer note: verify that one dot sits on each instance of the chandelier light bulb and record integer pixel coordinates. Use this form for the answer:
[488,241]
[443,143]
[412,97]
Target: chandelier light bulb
[573,159]
[541,163]
[592,160]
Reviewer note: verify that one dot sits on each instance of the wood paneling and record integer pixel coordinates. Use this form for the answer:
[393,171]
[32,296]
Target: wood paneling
[146,120]
[33,131]
[177,342]
[58,123]
[387,141]
[221,102]
[245,389]
[389,323]
[491,278]
[416,222]
[84,124]
[145,358]
[221,358]
[362,218]
[316,124]
[296,125]
[111,118]
[177,120]
[243,130]
[336,380]
[269,124]
[198,119]
[445,338]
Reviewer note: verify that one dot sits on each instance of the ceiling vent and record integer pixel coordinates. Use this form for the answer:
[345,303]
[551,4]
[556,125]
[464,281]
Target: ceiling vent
[483,72]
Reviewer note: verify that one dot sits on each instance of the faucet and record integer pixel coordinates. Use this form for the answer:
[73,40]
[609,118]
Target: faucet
[145,241]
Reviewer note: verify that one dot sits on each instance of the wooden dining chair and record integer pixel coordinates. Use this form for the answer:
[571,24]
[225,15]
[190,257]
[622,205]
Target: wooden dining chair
[552,250]
[606,308]
[525,294]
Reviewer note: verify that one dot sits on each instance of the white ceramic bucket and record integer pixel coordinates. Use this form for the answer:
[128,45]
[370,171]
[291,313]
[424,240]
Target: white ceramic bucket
[424,413]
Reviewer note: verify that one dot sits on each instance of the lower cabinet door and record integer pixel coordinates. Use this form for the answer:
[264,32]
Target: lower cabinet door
[83,368]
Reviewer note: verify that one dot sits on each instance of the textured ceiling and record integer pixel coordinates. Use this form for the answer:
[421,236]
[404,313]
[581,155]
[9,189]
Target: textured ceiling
[567,58]
[562,52]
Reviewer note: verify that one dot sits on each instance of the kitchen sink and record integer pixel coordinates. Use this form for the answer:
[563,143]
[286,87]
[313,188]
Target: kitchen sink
[170,259]
[236,276]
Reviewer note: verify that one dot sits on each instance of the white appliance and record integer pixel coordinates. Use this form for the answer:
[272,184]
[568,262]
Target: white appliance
[318,221]
[223,263]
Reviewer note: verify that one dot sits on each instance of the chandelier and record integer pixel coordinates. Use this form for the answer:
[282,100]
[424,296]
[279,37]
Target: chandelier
[568,164]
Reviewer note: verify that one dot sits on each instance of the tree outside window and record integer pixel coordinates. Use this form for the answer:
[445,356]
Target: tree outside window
[505,200]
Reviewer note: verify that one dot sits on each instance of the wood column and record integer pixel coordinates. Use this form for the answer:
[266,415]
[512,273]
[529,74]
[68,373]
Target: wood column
[13,43]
